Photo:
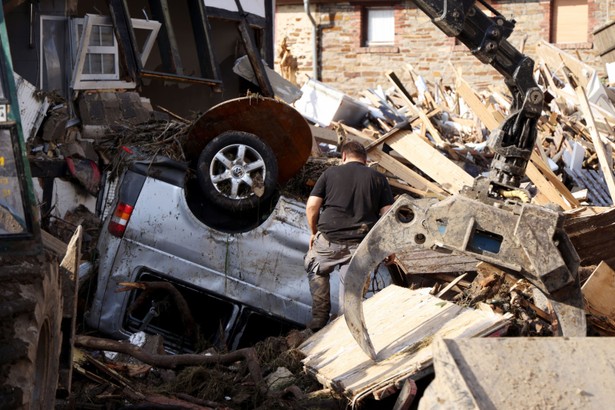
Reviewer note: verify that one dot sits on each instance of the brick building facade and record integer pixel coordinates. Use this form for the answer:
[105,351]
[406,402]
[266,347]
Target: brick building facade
[348,64]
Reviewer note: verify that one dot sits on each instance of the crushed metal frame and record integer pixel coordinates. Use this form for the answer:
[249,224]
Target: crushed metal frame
[169,48]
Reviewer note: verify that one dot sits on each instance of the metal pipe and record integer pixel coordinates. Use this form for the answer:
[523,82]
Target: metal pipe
[306,6]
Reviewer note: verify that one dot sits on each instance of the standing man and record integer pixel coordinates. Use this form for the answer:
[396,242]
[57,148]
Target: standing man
[343,206]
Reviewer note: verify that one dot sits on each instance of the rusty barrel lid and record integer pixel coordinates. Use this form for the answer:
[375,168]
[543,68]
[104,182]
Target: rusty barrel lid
[276,123]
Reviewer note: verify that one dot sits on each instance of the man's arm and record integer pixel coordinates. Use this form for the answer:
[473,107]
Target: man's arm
[384,209]
[312,211]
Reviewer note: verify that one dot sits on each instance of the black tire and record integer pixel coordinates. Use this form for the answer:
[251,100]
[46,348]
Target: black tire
[30,334]
[237,171]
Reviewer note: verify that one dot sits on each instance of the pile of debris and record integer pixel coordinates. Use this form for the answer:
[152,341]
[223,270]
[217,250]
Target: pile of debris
[265,376]
[441,133]
[431,140]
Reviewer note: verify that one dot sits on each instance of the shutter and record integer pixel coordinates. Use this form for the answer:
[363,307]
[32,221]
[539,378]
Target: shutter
[570,21]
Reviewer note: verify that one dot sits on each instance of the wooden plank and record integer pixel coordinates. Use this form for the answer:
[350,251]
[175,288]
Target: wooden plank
[435,134]
[428,102]
[598,145]
[70,289]
[54,244]
[547,183]
[249,44]
[599,289]
[406,395]
[549,192]
[406,174]
[584,74]
[429,160]
[383,138]
[384,160]
[556,59]
[404,323]
[400,87]
[592,236]
[416,110]
[542,167]
[167,41]
[452,284]
[478,108]
[395,183]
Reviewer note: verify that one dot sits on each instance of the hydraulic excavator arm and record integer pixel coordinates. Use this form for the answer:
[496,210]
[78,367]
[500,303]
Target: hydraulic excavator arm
[482,220]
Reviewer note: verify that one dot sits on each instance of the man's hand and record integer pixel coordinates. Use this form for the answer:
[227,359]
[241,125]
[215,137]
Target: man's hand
[312,211]
[312,238]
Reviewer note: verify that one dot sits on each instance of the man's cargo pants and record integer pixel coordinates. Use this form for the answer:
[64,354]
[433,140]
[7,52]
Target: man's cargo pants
[319,262]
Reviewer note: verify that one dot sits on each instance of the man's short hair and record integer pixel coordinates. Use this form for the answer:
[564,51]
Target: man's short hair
[355,149]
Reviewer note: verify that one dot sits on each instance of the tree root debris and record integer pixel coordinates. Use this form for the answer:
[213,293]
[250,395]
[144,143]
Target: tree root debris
[248,378]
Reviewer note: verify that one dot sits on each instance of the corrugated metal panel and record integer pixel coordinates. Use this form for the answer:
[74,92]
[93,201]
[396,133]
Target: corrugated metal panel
[32,106]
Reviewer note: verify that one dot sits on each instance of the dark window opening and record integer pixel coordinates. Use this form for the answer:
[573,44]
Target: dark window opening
[254,327]
[483,241]
[217,321]
[158,313]
[183,51]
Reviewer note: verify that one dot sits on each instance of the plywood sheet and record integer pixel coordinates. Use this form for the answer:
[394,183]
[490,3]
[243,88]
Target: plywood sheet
[599,290]
[402,324]
[428,159]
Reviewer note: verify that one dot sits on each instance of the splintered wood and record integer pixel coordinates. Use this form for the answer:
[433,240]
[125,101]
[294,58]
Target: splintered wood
[441,133]
[404,338]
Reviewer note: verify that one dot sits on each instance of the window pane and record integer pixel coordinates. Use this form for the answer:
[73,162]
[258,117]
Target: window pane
[12,212]
[101,36]
[108,64]
[79,31]
[106,36]
[92,64]
[380,26]
[99,63]
[53,69]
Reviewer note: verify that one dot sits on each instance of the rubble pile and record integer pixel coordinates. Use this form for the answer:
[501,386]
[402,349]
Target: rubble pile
[431,140]
[570,171]
[441,134]
[265,376]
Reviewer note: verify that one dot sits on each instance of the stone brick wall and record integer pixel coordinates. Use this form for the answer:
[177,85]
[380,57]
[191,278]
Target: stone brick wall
[347,66]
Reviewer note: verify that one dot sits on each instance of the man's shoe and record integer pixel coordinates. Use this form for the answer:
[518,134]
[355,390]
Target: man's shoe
[317,323]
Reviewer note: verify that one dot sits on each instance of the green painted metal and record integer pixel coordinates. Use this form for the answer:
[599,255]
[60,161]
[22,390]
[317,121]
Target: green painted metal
[28,241]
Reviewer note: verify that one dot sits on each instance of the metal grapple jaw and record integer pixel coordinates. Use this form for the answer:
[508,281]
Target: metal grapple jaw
[524,239]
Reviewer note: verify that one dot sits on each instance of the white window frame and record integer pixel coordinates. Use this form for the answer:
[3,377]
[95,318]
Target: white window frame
[154,27]
[82,81]
[380,26]
[97,21]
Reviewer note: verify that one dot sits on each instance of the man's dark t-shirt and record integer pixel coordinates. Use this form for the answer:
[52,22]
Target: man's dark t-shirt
[353,195]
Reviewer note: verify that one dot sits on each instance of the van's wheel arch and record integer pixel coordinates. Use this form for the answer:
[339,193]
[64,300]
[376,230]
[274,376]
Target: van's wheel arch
[236,170]
[30,331]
